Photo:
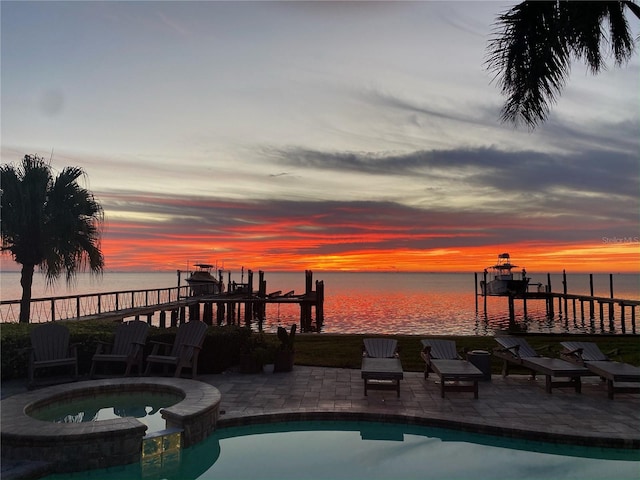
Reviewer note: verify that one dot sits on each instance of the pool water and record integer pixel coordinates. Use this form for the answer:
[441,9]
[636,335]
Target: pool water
[372,451]
[143,406]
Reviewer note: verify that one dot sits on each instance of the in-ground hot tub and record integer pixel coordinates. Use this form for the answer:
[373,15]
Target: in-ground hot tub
[82,446]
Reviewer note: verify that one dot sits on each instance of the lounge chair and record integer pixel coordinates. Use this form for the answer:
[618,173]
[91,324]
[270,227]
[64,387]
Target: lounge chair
[381,366]
[434,349]
[127,347]
[589,355]
[184,351]
[442,358]
[50,348]
[517,351]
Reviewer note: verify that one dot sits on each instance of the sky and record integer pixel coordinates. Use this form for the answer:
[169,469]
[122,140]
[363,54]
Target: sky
[318,135]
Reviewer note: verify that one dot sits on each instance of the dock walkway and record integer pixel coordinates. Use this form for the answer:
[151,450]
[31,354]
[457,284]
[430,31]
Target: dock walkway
[175,305]
[563,300]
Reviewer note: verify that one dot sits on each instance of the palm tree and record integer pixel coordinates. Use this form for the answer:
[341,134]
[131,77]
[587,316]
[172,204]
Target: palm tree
[51,223]
[535,41]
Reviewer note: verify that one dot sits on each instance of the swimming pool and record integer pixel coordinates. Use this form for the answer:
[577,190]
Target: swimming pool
[372,450]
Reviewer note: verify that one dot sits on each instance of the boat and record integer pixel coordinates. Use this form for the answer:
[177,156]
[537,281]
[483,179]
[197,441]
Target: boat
[202,282]
[500,280]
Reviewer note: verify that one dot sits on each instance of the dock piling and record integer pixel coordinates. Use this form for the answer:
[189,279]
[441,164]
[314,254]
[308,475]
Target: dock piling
[475,284]
[611,284]
[564,290]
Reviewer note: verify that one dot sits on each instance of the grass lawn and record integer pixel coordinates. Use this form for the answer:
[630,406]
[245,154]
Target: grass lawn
[312,349]
[345,351]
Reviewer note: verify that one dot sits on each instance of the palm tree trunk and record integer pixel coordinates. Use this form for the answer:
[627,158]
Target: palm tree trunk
[26,280]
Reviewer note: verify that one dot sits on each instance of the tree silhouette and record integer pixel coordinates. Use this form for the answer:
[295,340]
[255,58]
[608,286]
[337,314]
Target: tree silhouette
[48,222]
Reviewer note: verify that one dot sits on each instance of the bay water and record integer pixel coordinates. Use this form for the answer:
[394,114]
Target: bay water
[386,303]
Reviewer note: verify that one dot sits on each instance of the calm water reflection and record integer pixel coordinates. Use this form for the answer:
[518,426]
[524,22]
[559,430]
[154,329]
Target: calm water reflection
[390,303]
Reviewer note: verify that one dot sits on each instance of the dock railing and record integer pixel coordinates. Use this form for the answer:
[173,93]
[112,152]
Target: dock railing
[77,306]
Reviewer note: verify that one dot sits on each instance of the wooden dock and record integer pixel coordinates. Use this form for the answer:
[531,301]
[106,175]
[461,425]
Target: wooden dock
[229,305]
[564,300]
[568,299]
[239,305]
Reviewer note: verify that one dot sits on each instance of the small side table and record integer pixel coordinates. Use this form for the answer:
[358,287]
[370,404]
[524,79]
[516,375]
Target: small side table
[482,361]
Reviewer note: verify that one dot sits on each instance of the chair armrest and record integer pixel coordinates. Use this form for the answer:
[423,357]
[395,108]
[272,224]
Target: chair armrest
[574,355]
[101,345]
[185,346]
[615,353]
[156,346]
[513,350]
[576,352]
[545,348]
[426,353]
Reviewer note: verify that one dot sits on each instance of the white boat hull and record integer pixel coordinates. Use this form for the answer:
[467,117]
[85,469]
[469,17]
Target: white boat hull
[203,288]
[504,287]
[203,283]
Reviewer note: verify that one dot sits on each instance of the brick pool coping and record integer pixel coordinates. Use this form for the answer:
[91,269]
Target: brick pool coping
[83,446]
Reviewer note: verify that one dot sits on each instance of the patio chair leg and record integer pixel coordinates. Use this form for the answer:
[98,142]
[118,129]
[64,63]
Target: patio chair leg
[578,385]
[610,389]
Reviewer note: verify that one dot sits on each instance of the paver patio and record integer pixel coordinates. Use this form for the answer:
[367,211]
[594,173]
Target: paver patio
[515,405]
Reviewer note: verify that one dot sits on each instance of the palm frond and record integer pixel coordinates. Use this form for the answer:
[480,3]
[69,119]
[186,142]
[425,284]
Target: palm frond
[533,43]
[530,60]
[73,227]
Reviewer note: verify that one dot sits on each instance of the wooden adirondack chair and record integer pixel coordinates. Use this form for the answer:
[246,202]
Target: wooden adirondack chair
[50,348]
[127,347]
[184,351]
